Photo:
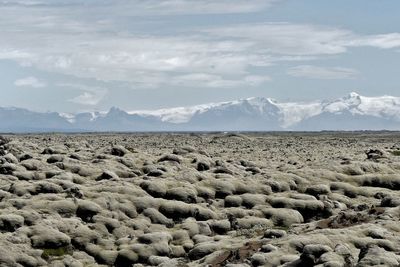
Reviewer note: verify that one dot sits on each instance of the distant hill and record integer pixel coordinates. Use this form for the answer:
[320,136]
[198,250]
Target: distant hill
[352,112]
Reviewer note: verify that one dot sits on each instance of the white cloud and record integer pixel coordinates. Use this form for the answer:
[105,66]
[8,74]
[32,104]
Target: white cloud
[30,82]
[14,54]
[255,80]
[142,61]
[89,96]
[202,6]
[216,81]
[383,41]
[287,39]
[94,40]
[317,72]
[303,39]
[151,7]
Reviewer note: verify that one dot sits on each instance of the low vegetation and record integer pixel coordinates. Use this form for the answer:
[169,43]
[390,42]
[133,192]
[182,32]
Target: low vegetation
[205,200]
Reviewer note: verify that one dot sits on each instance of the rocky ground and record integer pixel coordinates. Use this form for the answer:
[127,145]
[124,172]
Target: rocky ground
[200,200]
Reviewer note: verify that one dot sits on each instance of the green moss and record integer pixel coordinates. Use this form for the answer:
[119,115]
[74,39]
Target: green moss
[256,231]
[285,228]
[54,252]
[131,149]
[395,153]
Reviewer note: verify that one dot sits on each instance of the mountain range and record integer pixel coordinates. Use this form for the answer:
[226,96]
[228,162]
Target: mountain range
[350,113]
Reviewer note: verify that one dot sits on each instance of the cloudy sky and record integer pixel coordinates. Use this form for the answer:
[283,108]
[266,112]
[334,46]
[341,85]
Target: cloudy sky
[79,55]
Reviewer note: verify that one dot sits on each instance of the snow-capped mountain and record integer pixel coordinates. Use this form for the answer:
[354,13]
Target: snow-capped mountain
[384,106]
[353,112]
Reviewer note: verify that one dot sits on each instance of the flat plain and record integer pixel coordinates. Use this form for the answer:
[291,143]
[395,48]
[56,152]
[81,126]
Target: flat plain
[215,199]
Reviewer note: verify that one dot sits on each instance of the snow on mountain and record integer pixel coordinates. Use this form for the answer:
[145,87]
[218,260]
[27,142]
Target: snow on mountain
[386,106]
[185,114]
[348,103]
[178,114]
[354,103]
[68,117]
[294,113]
[352,112]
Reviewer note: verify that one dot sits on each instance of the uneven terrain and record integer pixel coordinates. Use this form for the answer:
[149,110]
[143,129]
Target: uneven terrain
[289,199]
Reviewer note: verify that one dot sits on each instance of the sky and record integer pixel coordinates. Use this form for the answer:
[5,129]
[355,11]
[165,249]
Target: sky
[85,55]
